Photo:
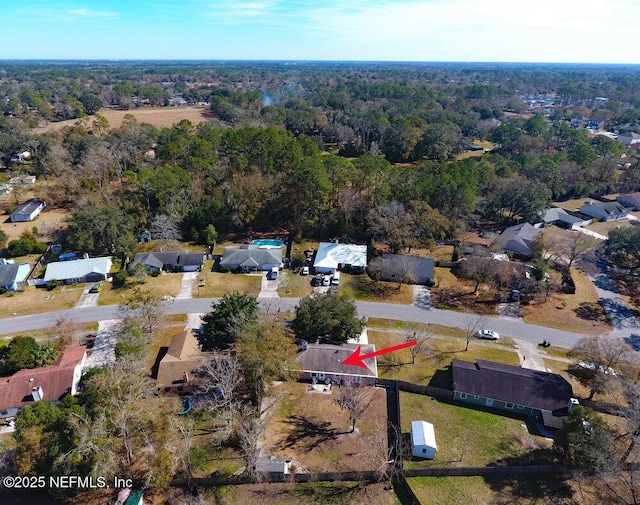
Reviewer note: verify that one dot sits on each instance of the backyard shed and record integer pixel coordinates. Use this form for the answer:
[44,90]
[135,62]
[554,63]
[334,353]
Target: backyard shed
[423,440]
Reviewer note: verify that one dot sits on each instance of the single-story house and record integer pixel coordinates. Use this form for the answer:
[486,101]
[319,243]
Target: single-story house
[28,211]
[423,440]
[13,273]
[405,268]
[517,239]
[251,258]
[172,261]
[542,396]
[560,217]
[182,359]
[629,139]
[51,383]
[604,211]
[632,200]
[78,271]
[332,256]
[322,363]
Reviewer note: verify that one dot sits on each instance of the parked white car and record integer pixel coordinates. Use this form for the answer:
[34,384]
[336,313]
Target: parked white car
[304,271]
[487,334]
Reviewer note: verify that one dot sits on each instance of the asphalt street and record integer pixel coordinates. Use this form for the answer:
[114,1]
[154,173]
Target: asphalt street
[506,327]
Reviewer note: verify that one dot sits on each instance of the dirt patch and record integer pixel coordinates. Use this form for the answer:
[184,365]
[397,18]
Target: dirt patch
[310,428]
[48,222]
[158,116]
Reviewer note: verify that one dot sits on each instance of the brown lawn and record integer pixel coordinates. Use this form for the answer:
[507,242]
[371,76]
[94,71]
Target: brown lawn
[603,228]
[309,428]
[319,493]
[48,222]
[32,300]
[559,309]
[164,285]
[453,293]
[157,116]
[218,284]
[294,285]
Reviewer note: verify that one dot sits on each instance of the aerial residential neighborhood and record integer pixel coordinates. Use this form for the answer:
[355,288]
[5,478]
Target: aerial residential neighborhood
[227,282]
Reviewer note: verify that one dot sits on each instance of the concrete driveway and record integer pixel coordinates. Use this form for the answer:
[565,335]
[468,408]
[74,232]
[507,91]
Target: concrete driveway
[186,288]
[87,299]
[269,287]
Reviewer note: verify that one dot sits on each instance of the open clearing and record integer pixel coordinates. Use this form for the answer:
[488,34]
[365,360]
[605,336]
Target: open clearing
[158,116]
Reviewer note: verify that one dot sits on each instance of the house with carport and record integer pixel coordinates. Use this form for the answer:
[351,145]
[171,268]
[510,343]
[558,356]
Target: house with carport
[333,256]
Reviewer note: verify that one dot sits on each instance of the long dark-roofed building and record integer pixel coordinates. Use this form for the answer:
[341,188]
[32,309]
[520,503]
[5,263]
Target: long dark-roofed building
[540,395]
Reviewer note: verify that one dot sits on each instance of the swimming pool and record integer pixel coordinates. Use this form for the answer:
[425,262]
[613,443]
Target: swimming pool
[267,242]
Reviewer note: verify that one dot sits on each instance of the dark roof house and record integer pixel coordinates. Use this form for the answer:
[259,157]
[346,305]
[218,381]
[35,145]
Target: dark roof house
[28,211]
[560,217]
[173,261]
[13,273]
[182,358]
[251,257]
[541,395]
[518,239]
[405,268]
[323,363]
[631,200]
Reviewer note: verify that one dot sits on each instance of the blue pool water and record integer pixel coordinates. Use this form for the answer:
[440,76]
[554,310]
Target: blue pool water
[268,242]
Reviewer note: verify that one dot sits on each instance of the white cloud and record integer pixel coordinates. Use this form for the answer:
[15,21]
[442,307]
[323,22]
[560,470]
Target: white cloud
[88,13]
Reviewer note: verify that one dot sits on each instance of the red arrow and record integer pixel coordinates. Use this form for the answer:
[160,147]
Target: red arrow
[357,360]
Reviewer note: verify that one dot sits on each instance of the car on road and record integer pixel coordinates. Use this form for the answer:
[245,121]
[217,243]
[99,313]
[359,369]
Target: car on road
[95,288]
[487,334]
[305,270]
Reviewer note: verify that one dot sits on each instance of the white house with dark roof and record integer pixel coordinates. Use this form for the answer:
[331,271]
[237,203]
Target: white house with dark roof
[518,239]
[333,256]
[604,211]
[78,271]
[251,258]
[322,363]
[28,211]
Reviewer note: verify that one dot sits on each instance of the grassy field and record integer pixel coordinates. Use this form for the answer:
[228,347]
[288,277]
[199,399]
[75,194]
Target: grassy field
[157,116]
[361,287]
[559,310]
[309,428]
[31,300]
[319,493]
[165,284]
[217,284]
[452,293]
[48,222]
[603,228]
[439,354]
[294,285]
[468,437]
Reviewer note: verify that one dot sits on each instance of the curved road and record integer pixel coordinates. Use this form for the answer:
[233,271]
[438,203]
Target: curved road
[510,328]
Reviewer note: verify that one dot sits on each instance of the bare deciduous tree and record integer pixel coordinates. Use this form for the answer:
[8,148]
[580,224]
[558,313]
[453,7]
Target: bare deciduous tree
[422,337]
[570,248]
[472,327]
[250,430]
[165,228]
[599,356]
[355,400]
[222,375]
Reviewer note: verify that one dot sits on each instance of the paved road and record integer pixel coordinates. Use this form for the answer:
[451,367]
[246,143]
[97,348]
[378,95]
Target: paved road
[625,324]
[507,327]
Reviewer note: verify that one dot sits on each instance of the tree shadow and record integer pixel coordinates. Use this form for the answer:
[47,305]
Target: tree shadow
[162,352]
[308,433]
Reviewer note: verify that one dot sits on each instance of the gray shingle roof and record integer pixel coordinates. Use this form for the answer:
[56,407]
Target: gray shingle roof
[251,256]
[8,274]
[522,386]
[328,358]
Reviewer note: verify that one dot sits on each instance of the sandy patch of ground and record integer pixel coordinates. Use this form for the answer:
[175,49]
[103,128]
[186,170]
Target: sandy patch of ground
[158,116]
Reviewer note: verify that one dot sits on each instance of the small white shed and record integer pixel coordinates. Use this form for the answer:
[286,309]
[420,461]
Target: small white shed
[423,440]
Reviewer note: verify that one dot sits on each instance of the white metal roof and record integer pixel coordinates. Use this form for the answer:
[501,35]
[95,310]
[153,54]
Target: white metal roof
[331,254]
[422,433]
[76,269]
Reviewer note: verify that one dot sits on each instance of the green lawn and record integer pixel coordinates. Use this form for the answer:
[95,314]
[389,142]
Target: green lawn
[439,353]
[468,437]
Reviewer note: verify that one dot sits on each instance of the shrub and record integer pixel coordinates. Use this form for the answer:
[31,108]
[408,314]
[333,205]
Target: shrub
[24,246]
[53,284]
[224,270]
[120,279]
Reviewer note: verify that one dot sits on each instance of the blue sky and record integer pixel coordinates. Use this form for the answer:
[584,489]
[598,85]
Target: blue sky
[579,31]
